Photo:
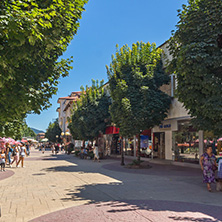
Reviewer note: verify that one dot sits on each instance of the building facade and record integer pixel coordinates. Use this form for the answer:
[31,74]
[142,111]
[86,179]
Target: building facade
[65,111]
[174,139]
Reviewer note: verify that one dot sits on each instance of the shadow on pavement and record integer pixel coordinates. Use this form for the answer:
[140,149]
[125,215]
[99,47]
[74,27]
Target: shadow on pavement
[167,194]
[61,168]
[6,174]
[136,210]
[169,210]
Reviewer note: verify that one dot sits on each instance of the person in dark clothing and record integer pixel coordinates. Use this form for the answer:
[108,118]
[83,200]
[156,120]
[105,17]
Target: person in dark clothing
[214,148]
[27,149]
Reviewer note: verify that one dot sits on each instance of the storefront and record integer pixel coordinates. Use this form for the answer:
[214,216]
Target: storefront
[111,141]
[159,145]
[177,140]
[186,143]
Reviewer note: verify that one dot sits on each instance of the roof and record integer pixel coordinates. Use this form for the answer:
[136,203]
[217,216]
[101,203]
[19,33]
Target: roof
[73,96]
[66,98]
[163,44]
[79,92]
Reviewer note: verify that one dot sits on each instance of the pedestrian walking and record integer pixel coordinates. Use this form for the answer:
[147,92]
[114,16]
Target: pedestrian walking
[2,160]
[219,175]
[53,148]
[9,151]
[96,152]
[208,165]
[43,148]
[63,148]
[28,149]
[22,155]
[15,154]
[57,148]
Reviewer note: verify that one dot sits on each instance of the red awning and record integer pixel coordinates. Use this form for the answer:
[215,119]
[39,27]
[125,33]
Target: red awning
[112,130]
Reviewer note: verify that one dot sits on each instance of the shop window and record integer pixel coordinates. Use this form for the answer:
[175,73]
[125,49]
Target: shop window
[129,146]
[186,143]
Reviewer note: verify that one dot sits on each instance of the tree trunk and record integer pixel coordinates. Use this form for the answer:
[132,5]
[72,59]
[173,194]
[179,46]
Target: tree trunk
[138,148]
[122,153]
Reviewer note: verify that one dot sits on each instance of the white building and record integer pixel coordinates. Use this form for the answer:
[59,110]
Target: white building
[175,138]
[64,111]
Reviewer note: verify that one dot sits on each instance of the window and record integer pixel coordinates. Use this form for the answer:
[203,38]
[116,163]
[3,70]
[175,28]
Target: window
[173,84]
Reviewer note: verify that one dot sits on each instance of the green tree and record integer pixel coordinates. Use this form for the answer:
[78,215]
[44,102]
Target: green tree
[196,49]
[135,77]
[91,112]
[53,131]
[28,132]
[16,129]
[33,35]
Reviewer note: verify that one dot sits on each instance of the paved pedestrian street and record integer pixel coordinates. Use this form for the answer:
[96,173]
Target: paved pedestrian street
[66,188]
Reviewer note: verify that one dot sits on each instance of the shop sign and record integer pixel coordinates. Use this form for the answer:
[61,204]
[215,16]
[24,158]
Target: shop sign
[165,126]
[112,130]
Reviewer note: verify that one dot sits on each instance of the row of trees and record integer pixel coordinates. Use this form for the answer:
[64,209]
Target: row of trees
[135,76]
[34,34]
[131,100]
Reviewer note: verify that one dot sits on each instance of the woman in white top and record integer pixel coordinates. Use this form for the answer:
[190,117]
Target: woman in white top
[22,155]
[15,154]
[96,152]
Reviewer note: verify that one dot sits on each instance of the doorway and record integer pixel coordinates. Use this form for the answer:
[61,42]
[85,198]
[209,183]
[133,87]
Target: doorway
[159,146]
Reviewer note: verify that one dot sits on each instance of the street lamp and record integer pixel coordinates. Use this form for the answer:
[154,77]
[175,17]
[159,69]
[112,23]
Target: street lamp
[67,133]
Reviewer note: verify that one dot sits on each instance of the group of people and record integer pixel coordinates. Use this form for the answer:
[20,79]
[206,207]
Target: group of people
[55,147]
[13,153]
[90,148]
[209,164]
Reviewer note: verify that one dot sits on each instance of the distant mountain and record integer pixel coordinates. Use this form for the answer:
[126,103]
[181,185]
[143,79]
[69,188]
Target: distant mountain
[36,130]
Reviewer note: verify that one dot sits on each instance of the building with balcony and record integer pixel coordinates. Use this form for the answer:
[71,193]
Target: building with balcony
[65,111]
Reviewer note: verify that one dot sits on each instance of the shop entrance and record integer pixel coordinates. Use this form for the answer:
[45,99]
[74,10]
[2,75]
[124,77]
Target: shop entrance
[159,146]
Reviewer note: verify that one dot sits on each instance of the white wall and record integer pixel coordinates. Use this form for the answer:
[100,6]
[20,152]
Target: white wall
[177,110]
[168,145]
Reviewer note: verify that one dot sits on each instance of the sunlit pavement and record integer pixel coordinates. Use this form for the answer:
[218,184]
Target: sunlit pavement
[65,188]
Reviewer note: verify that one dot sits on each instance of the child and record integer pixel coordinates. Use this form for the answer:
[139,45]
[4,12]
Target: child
[2,160]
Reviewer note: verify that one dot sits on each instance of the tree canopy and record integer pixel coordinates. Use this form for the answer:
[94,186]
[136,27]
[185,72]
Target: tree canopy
[91,112]
[16,129]
[34,34]
[197,54]
[53,131]
[135,77]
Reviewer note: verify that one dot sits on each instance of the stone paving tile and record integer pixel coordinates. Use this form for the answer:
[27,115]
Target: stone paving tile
[6,174]
[38,189]
[50,183]
[137,210]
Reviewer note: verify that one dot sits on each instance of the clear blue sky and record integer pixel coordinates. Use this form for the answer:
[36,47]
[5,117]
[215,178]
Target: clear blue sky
[104,24]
